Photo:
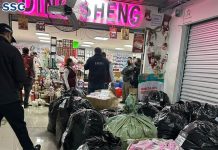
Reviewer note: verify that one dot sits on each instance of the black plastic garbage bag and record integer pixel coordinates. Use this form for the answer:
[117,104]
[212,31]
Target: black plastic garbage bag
[148,110]
[53,112]
[72,105]
[157,98]
[105,142]
[111,112]
[82,125]
[207,112]
[78,92]
[169,124]
[199,135]
[193,106]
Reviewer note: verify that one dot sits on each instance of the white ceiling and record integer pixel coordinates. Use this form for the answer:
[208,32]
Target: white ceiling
[82,35]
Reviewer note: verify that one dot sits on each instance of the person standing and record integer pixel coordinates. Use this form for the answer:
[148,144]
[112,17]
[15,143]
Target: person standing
[69,75]
[110,75]
[12,75]
[127,73]
[30,74]
[98,67]
[136,72]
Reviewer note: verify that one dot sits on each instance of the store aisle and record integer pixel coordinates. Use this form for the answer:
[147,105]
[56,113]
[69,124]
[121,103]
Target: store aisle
[37,120]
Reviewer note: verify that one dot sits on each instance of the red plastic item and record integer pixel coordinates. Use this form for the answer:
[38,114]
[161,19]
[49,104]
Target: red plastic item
[118,92]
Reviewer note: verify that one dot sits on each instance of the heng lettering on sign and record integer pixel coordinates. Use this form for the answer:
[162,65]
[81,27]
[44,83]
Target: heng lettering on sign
[93,11]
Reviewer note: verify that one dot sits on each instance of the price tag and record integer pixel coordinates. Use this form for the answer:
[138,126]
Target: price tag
[180,140]
[63,104]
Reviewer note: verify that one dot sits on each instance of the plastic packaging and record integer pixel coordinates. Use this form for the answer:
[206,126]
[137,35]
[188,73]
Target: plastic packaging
[148,110]
[82,125]
[105,142]
[207,112]
[169,124]
[157,98]
[53,112]
[199,135]
[131,126]
[155,144]
[72,105]
[111,112]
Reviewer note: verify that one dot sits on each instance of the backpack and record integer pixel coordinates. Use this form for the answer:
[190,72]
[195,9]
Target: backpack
[28,66]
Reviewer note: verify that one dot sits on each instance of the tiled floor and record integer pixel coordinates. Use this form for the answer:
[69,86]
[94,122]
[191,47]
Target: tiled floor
[36,119]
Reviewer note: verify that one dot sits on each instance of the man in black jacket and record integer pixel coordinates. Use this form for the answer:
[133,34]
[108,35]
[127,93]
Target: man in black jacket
[12,75]
[98,67]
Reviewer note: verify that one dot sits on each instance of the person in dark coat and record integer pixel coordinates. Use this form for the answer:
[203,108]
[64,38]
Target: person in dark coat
[136,72]
[127,73]
[98,67]
[12,75]
[69,75]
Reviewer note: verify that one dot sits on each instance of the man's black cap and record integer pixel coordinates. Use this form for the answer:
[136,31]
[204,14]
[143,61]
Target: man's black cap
[6,28]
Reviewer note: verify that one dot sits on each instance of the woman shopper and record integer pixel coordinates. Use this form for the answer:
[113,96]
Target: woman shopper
[127,76]
[69,75]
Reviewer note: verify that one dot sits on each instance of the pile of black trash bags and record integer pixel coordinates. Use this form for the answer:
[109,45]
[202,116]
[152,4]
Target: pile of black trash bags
[75,122]
[192,124]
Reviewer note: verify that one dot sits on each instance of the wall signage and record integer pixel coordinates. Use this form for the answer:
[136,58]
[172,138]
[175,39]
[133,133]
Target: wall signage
[94,11]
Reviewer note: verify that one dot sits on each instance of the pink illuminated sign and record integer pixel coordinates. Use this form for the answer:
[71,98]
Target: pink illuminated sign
[94,11]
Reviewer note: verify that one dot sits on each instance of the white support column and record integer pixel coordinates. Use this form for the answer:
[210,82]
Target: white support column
[4,17]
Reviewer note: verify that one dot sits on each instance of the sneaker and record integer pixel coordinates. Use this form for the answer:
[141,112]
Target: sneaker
[37,147]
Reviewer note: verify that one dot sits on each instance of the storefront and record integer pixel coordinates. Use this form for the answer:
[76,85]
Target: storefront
[176,98]
[198,80]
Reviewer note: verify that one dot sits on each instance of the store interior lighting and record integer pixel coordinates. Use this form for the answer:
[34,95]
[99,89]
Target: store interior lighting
[129,46]
[84,45]
[101,38]
[42,34]
[45,41]
[44,38]
[119,49]
[88,43]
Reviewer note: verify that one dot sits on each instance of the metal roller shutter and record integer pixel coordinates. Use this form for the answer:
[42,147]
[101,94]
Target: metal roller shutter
[200,80]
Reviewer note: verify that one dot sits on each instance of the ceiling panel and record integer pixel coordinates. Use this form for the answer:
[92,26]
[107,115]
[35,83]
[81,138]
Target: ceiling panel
[82,35]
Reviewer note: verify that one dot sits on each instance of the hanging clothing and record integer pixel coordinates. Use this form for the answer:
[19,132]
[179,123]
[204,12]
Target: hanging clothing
[69,78]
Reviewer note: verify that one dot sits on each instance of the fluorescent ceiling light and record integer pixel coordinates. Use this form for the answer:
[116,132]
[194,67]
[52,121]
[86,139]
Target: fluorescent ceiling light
[44,38]
[84,45]
[101,38]
[42,34]
[45,41]
[119,48]
[89,43]
[130,46]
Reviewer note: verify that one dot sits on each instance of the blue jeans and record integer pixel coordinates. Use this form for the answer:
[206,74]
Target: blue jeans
[92,87]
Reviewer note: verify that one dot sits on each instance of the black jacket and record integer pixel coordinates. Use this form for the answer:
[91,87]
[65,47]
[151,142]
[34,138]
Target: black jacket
[12,72]
[127,73]
[98,67]
[136,73]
